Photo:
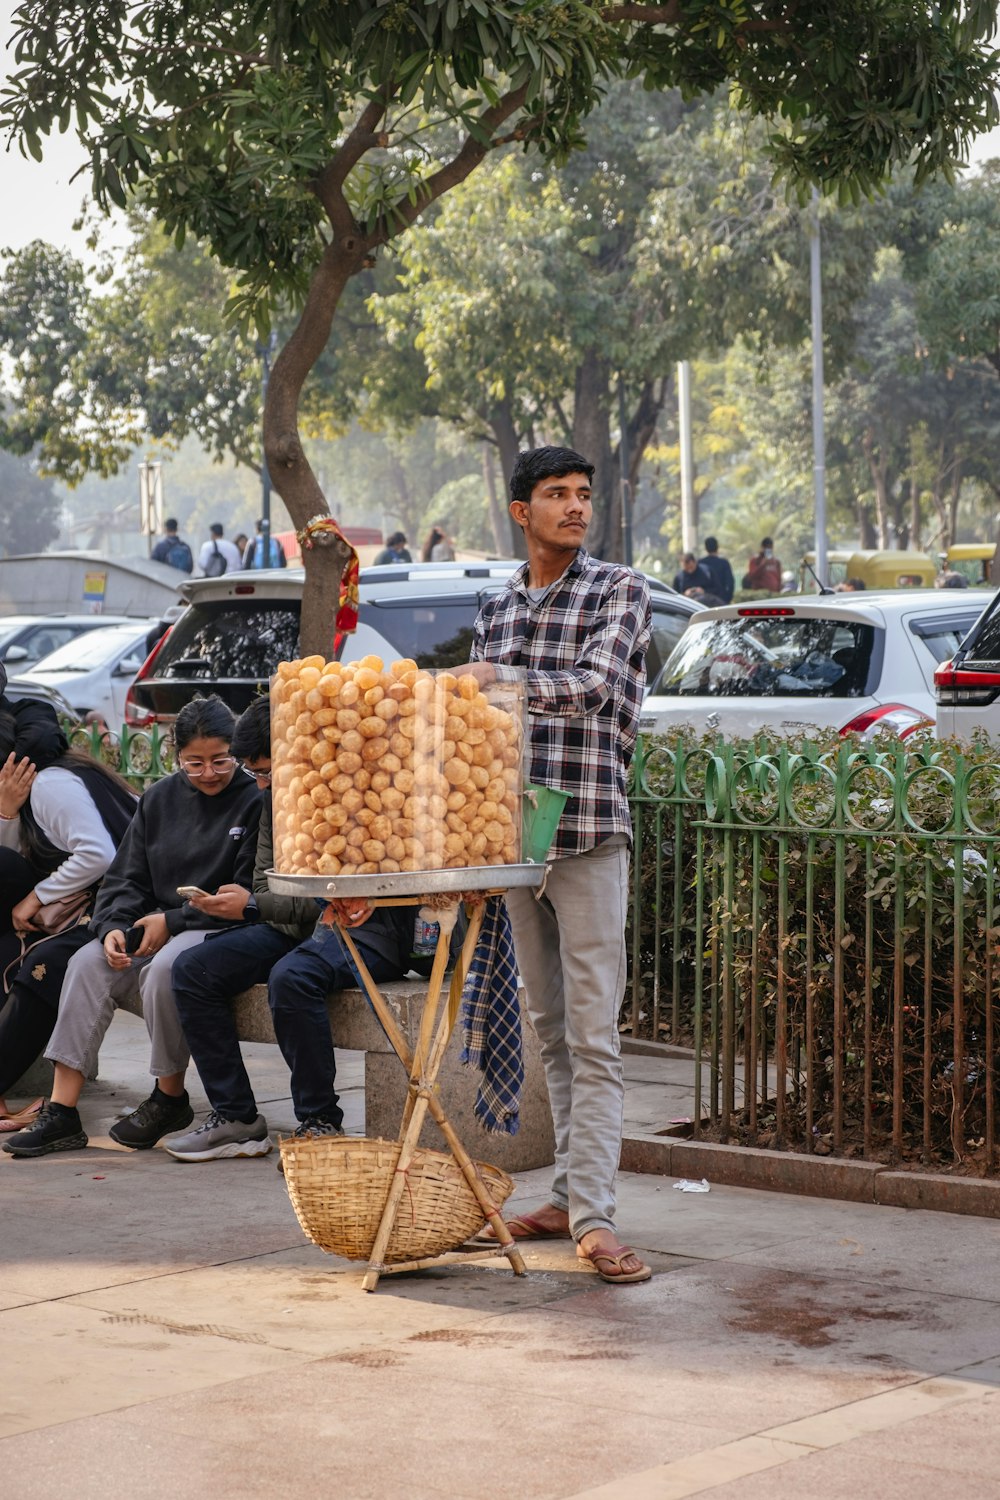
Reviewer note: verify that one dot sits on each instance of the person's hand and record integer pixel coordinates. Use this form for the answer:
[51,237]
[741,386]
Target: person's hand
[16,777]
[154,934]
[229,902]
[351,911]
[23,913]
[483,671]
[114,950]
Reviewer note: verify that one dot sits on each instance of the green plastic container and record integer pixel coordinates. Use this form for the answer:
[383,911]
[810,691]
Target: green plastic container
[541,809]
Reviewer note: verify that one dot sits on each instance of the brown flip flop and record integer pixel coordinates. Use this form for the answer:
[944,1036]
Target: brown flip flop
[613,1258]
[522,1227]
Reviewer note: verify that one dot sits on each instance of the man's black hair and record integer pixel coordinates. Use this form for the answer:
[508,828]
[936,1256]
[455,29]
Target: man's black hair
[537,464]
[767,541]
[204,719]
[252,736]
[689,557]
[398,539]
[170,525]
[711,545]
[216,528]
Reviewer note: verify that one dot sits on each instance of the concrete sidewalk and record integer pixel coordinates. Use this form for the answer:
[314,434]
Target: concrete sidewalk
[167,1331]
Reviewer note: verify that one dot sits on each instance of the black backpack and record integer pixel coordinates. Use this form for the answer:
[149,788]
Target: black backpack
[216,565]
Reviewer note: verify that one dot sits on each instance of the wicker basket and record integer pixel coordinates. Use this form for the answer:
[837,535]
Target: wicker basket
[338,1186]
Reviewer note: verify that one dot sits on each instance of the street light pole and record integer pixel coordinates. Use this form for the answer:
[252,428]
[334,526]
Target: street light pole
[819,432]
[623,458]
[266,351]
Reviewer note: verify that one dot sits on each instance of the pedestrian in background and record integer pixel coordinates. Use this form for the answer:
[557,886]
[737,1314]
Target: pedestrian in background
[438,547]
[764,569]
[171,550]
[394,551]
[253,552]
[718,569]
[218,556]
[693,576]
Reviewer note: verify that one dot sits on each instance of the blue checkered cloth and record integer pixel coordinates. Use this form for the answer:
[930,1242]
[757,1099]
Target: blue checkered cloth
[491,1023]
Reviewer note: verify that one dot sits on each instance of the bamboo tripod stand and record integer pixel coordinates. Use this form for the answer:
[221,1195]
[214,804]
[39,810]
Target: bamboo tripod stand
[423,1064]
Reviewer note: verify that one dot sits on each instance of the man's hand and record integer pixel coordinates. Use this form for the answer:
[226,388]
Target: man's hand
[114,950]
[155,934]
[16,777]
[352,911]
[23,914]
[229,902]
[483,671]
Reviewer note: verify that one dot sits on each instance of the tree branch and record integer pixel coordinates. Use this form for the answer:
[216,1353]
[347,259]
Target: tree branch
[465,161]
[329,184]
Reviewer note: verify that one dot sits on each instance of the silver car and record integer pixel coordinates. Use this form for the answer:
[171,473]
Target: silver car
[94,672]
[859,662]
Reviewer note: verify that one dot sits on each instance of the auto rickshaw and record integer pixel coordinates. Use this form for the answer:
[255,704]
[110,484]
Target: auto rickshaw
[974,560]
[892,570]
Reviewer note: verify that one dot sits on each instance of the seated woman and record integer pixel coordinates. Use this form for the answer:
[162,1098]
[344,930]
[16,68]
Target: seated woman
[196,828]
[60,824]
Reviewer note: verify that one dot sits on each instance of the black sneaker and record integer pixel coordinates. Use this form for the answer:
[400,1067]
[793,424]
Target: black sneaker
[56,1129]
[159,1115]
[312,1126]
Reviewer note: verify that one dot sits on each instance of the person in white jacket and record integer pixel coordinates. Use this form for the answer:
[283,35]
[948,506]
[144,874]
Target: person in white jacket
[60,826]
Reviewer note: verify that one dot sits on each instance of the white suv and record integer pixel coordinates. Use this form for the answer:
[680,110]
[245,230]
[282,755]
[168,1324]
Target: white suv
[851,662]
[967,686]
[235,629]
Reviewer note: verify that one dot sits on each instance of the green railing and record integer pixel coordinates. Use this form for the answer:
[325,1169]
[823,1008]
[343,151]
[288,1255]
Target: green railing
[142,756]
[821,928]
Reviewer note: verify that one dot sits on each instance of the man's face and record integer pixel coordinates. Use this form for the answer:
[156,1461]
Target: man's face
[559,512]
[260,770]
[689,564]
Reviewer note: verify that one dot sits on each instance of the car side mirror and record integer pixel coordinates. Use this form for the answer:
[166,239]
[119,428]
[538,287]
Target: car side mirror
[16,653]
[128,667]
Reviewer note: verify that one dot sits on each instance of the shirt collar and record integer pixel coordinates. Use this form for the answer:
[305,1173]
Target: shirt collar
[519,580]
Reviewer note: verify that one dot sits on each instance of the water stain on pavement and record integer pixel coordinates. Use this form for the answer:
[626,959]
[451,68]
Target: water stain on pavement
[790,1312]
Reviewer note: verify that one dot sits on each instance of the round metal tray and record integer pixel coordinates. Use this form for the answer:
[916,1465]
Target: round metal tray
[408,882]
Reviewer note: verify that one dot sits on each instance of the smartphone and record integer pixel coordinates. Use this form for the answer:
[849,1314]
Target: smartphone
[187,891]
[133,938]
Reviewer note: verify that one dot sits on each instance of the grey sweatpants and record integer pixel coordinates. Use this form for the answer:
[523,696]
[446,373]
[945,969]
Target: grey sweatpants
[570,949]
[92,990]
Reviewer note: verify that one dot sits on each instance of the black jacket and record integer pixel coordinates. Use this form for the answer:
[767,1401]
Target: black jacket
[180,837]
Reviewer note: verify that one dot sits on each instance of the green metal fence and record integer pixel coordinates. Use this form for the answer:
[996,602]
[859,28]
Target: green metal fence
[821,927]
[142,756]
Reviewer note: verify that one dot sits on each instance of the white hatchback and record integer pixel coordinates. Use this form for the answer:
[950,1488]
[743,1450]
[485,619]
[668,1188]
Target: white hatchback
[791,665]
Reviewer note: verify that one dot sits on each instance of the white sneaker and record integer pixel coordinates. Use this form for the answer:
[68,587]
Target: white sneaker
[219,1137]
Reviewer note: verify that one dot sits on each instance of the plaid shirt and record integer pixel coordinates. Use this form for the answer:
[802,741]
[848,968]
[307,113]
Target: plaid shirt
[583,648]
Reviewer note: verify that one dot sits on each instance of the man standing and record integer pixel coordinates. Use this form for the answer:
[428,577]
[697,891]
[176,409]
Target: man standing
[580,629]
[718,569]
[693,576]
[218,556]
[764,569]
[171,550]
[253,554]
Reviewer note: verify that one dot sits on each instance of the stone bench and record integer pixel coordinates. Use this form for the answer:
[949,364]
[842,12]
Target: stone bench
[356,1028]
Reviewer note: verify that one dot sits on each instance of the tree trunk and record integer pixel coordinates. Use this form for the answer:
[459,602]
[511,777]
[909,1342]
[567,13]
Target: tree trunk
[916,519]
[866,530]
[592,438]
[291,473]
[498,523]
[502,422]
[877,470]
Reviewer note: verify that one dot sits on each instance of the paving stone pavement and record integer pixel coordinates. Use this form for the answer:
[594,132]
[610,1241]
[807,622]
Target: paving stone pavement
[167,1330]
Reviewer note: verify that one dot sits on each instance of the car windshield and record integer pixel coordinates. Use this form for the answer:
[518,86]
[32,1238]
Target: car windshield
[762,656]
[94,649]
[11,627]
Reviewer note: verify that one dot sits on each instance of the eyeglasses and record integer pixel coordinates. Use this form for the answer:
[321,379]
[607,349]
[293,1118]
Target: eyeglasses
[264,776]
[220,764]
